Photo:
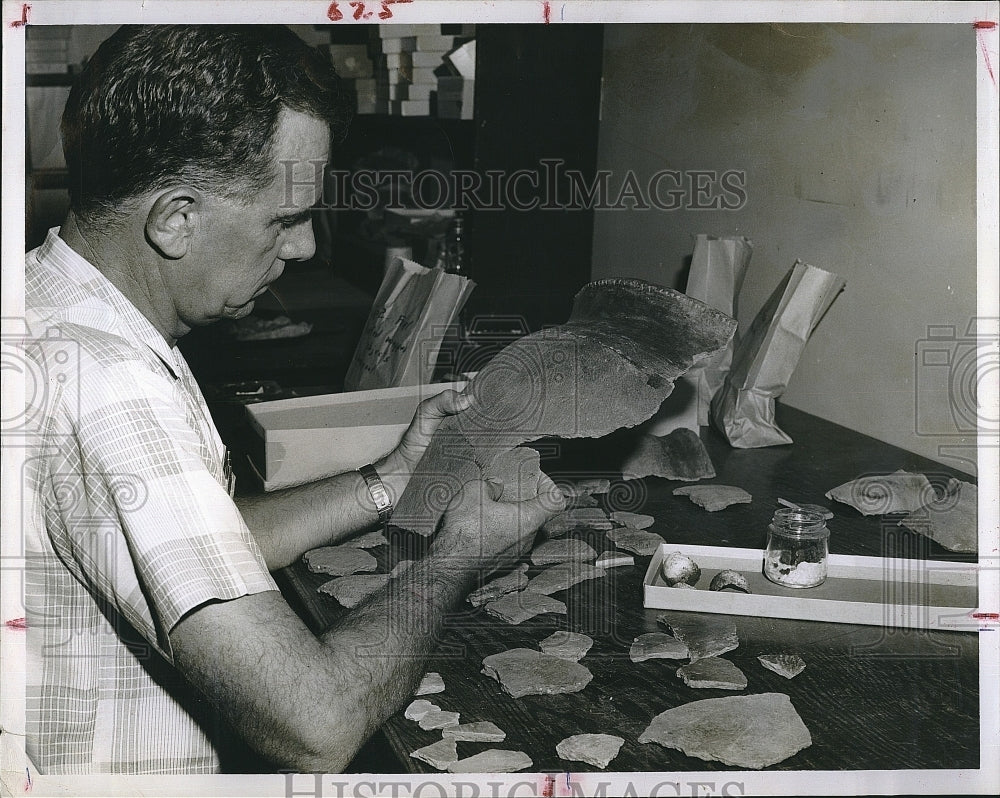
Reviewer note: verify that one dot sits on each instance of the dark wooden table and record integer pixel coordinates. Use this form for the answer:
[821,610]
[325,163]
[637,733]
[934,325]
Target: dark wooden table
[873,698]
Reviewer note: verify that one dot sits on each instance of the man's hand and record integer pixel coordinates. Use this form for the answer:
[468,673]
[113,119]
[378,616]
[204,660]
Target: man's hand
[478,526]
[290,522]
[308,704]
[396,467]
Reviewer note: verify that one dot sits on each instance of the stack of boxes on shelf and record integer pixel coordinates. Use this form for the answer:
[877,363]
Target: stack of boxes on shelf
[46,50]
[405,65]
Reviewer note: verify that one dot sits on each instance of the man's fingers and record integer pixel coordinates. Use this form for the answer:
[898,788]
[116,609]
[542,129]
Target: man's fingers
[431,412]
[550,495]
[446,403]
[471,495]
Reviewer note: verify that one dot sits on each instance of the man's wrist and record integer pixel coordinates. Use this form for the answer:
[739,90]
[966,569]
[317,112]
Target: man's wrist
[395,476]
[378,492]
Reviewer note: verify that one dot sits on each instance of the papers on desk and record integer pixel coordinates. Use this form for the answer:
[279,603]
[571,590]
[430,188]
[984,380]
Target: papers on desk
[414,308]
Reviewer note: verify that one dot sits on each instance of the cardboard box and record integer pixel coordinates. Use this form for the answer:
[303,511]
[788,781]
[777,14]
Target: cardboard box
[305,439]
[403,45]
[430,58]
[399,30]
[402,61]
[351,60]
[435,41]
[874,591]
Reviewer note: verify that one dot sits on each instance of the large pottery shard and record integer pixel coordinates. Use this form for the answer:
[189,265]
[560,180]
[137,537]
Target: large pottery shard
[523,671]
[679,455]
[610,366]
[752,731]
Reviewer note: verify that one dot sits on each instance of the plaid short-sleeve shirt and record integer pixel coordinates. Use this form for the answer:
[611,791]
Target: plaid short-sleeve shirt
[129,525]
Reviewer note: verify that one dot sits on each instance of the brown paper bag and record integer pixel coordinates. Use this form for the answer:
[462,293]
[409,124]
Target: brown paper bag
[767,354]
[400,342]
[716,275]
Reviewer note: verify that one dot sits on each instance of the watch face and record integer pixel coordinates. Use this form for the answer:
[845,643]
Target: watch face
[383,504]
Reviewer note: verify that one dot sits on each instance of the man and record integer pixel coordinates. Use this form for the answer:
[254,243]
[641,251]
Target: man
[154,625]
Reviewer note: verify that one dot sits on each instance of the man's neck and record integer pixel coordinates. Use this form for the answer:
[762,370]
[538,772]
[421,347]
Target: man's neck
[114,256]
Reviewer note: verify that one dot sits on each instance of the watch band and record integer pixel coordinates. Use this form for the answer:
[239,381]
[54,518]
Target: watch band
[383,502]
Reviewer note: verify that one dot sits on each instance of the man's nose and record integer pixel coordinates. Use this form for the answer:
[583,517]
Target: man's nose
[299,244]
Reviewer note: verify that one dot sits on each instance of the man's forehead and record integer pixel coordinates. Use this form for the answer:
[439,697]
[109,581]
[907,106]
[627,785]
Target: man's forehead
[302,149]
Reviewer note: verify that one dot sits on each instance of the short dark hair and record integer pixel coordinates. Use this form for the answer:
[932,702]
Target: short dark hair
[162,104]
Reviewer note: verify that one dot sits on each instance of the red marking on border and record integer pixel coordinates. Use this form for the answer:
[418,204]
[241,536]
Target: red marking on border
[20,23]
[359,10]
[550,780]
[333,13]
[987,616]
[546,12]
[980,27]
[386,12]
[17,623]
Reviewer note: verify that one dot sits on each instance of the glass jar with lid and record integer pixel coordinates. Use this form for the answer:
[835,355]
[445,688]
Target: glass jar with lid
[797,548]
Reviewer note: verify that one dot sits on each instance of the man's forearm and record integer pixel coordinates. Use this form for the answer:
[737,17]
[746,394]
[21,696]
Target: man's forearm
[405,621]
[309,704]
[288,523]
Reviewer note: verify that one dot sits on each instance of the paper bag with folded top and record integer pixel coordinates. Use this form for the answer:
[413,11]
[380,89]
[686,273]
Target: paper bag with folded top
[716,275]
[767,354]
[407,323]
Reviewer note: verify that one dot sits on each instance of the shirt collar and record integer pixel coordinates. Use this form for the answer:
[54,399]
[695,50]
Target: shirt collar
[82,272]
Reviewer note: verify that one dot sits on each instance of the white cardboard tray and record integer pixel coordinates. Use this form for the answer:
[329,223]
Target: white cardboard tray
[875,591]
[311,437]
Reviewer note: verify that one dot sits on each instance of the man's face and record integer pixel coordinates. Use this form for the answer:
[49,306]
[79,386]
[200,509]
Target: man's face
[239,250]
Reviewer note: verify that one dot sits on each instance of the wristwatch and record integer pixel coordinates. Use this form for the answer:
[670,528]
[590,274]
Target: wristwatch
[379,494]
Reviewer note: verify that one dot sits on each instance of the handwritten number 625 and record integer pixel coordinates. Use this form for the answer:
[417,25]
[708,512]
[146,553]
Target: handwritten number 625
[334,14]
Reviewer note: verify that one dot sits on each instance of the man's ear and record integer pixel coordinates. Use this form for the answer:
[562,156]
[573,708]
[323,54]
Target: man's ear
[174,217]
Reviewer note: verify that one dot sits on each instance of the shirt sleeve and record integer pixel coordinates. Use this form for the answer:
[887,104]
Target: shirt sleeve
[148,527]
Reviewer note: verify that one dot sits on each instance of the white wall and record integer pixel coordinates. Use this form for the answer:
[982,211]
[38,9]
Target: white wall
[858,143]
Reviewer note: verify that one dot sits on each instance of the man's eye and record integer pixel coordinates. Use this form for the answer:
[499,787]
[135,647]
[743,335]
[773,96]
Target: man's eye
[288,222]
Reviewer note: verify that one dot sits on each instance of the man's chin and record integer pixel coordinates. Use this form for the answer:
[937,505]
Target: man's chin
[230,312]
